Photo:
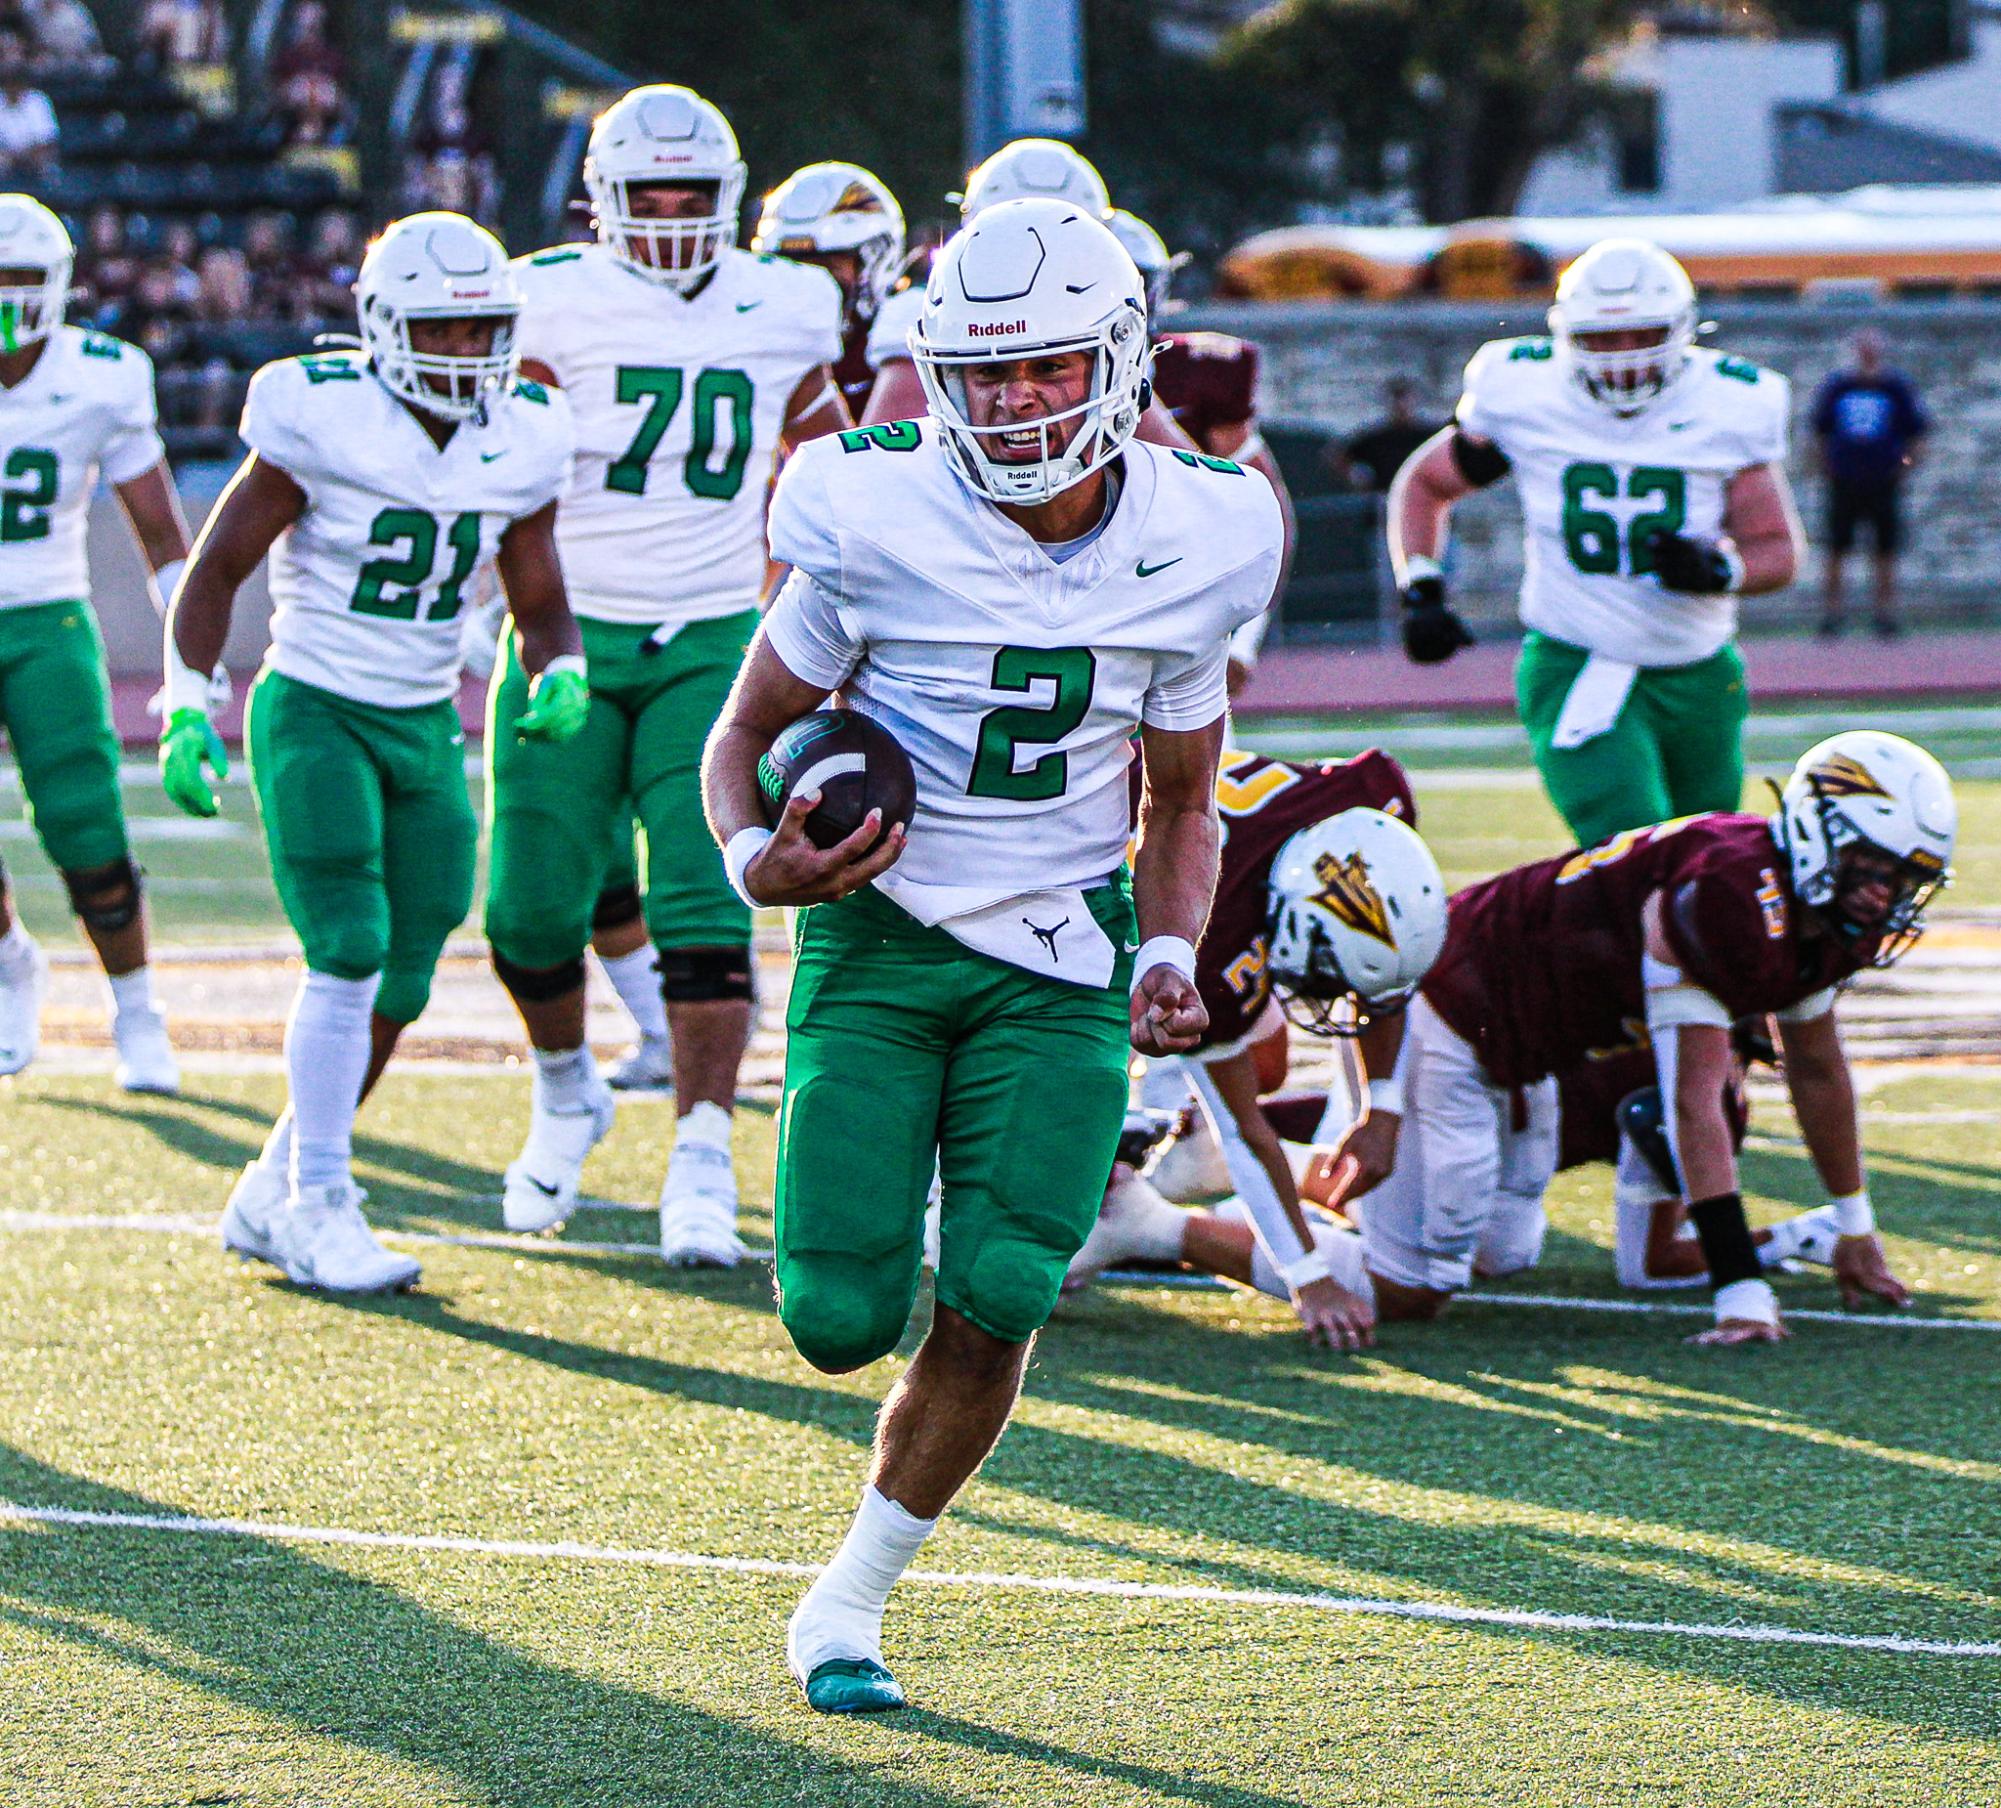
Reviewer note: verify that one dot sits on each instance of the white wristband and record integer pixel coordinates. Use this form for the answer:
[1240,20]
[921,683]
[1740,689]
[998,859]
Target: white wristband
[1302,1271]
[1386,1095]
[738,852]
[186,688]
[1735,561]
[1748,1299]
[1175,951]
[566,662]
[1417,567]
[1854,1216]
[161,585]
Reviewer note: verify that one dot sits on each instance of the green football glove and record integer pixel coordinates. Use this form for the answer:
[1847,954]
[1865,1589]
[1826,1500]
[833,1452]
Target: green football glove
[187,743]
[559,699]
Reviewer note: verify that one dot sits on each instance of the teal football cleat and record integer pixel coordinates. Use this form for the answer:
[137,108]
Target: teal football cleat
[852,1685]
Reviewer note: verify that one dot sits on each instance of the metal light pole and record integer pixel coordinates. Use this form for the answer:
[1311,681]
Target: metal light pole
[1024,72]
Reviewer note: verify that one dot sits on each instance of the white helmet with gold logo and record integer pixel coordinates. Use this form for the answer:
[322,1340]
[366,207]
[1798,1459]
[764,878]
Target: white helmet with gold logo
[1357,912]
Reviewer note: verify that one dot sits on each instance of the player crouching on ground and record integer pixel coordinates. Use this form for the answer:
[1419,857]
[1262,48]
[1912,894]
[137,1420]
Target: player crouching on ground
[1013,588]
[1679,930]
[381,485]
[1329,898]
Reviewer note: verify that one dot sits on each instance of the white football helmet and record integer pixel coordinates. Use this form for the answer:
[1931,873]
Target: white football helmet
[1618,286]
[1357,913]
[438,266]
[1030,279]
[1861,807]
[664,133]
[32,238]
[1036,169]
[1148,250]
[828,207]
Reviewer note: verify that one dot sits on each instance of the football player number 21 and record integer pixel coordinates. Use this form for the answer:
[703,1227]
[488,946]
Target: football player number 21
[1592,536]
[658,388]
[1069,673]
[393,586]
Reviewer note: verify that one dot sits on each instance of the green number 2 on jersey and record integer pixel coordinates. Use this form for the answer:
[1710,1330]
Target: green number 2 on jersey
[997,772]
[24,507]
[659,387]
[393,587]
[1592,537]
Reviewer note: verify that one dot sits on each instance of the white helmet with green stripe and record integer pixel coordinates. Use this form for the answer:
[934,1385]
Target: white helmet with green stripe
[34,244]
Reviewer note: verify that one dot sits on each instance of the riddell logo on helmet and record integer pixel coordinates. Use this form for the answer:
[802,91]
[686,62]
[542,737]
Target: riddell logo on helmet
[999,330]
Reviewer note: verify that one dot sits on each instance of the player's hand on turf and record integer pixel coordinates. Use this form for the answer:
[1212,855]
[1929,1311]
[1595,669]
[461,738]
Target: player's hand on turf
[188,743]
[1372,1146]
[558,704]
[790,870]
[1861,1271]
[1335,1318]
[1431,631]
[1168,1015]
[1734,1331]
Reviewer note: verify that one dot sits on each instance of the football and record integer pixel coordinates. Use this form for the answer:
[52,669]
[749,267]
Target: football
[854,763]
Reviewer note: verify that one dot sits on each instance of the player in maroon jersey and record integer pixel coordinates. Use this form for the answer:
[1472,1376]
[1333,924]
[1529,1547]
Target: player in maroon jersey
[1327,900]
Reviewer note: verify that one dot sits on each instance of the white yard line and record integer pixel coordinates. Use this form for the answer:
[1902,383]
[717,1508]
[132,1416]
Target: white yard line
[569,1551]
[181,1225]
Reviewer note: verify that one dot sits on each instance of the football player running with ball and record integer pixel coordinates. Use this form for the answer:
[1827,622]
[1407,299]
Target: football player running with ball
[74,406]
[383,484]
[1012,588]
[1654,494]
[688,364]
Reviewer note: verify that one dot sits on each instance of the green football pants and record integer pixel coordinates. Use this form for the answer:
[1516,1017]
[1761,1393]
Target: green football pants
[373,839]
[1677,748]
[904,1047]
[560,813]
[55,702]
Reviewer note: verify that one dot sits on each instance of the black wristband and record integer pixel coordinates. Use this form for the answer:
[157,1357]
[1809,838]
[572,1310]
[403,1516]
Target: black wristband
[1480,461]
[1725,1235]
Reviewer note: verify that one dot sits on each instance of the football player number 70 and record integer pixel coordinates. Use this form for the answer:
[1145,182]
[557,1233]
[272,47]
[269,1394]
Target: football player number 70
[658,388]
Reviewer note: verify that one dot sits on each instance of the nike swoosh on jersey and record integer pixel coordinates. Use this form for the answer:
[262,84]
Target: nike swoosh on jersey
[744,307]
[487,458]
[1144,570]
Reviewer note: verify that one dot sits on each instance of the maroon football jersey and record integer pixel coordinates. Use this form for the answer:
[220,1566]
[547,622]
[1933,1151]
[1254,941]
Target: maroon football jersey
[1207,381]
[852,370]
[1542,964]
[1263,803]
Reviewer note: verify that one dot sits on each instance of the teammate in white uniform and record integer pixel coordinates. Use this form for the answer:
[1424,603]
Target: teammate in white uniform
[689,364]
[74,406]
[1011,588]
[383,486]
[1651,473]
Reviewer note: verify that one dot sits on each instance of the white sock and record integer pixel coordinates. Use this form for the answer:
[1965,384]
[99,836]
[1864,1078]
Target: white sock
[131,992]
[1810,1237]
[706,1124]
[276,1154]
[1153,1227]
[17,948]
[841,1615]
[326,1060]
[565,1078]
[635,977]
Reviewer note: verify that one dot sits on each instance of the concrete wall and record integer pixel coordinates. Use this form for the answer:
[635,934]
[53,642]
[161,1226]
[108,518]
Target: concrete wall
[1327,364]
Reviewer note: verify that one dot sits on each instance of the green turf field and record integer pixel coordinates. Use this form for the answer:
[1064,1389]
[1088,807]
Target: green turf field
[523,1539]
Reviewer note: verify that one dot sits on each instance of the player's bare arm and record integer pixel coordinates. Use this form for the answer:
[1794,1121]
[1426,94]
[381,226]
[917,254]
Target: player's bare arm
[1764,525]
[816,407]
[532,575]
[260,502]
[1368,1152]
[1452,464]
[1823,1094]
[789,870]
[1174,877]
[153,507]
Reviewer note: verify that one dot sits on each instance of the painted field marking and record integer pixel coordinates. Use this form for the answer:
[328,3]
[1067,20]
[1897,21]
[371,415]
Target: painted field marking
[568,1551]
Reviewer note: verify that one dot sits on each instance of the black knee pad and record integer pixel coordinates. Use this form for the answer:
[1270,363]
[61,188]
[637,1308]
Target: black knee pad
[1642,1116]
[617,905]
[105,898]
[704,975]
[537,985]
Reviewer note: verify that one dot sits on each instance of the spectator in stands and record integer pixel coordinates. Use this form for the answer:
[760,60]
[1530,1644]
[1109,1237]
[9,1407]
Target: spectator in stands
[222,292]
[64,36]
[174,32]
[309,81]
[27,121]
[107,266]
[452,165]
[1870,424]
[174,263]
[1374,456]
[327,271]
[267,249]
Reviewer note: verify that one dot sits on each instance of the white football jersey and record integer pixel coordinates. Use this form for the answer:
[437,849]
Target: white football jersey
[86,409]
[397,535]
[1013,681]
[1593,485]
[889,331]
[678,404]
